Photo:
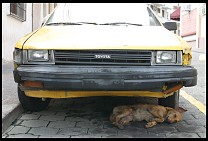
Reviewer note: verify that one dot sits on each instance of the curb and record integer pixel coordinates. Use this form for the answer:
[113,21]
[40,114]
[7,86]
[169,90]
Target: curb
[11,116]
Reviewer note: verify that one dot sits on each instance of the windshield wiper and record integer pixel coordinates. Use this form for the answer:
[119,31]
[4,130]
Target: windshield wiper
[119,23]
[81,23]
[86,23]
[64,23]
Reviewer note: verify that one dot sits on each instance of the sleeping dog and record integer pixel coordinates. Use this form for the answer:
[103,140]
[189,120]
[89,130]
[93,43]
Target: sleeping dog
[153,114]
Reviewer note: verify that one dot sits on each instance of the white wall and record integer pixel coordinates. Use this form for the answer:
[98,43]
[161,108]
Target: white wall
[203,26]
[193,6]
[37,15]
[13,29]
[190,38]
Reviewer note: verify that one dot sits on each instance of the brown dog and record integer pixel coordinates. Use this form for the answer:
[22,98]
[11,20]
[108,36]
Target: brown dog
[153,114]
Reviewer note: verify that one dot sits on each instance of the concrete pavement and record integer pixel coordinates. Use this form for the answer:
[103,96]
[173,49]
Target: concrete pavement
[11,107]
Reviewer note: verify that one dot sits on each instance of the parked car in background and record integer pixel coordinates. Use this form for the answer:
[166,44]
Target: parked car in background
[91,49]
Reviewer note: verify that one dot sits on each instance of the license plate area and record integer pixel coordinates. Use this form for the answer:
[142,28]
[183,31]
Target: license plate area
[103,83]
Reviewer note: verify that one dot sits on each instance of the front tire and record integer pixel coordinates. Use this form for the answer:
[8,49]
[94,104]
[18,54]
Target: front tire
[171,101]
[30,103]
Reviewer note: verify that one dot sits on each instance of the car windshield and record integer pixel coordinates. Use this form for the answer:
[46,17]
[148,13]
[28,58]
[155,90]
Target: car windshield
[135,14]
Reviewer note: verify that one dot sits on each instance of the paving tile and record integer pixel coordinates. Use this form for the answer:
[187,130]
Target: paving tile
[29,116]
[202,135]
[132,131]
[88,124]
[187,116]
[135,133]
[110,131]
[199,116]
[161,129]
[43,131]
[72,131]
[55,108]
[152,135]
[96,130]
[196,122]
[99,130]
[23,136]
[117,136]
[34,123]
[45,112]
[191,129]
[86,113]
[182,135]
[62,124]
[181,123]
[86,136]
[108,125]
[76,118]
[18,130]
[61,113]
[54,136]
[9,129]
[52,117]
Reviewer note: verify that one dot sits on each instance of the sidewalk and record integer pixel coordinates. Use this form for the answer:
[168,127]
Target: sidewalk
[11,107]
[202,57]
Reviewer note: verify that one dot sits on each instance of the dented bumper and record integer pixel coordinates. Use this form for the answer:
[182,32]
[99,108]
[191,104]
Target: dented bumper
[104,78]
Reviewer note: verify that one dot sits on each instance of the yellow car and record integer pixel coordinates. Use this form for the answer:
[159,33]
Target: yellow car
[86,50]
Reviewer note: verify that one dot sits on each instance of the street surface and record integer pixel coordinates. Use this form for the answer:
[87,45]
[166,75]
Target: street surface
[89,117]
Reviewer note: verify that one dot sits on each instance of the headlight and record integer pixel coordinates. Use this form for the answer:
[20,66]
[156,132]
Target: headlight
[17,56]
[38,55]
[166,57]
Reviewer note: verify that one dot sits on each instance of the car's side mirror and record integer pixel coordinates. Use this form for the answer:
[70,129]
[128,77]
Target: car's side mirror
[44,19]
[170,25]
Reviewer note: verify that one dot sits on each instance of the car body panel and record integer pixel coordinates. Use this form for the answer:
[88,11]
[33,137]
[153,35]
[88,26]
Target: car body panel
[101,36]
[73,94]
[21,42]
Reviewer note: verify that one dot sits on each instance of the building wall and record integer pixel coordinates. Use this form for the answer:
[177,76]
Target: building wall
[37,15]
[193,28]
[40,10]
[13,29]
[202,28]
[188,22]
[159,9]
[202,35]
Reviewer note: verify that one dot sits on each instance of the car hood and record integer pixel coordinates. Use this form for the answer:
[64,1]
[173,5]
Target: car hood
[101,37]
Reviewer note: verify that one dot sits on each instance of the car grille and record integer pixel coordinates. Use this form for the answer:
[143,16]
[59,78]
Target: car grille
[108,57]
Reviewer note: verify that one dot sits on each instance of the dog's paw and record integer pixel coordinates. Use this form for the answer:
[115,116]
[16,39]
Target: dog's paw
[150,124]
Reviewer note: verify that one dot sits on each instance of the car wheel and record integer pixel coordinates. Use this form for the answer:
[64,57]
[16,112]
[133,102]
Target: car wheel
[30,103]
[171,101]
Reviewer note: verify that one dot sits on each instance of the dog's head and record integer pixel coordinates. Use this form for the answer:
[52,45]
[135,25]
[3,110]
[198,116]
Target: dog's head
[174,115]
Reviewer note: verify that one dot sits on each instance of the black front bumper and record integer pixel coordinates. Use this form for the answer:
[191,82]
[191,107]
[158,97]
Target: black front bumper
[112,78]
